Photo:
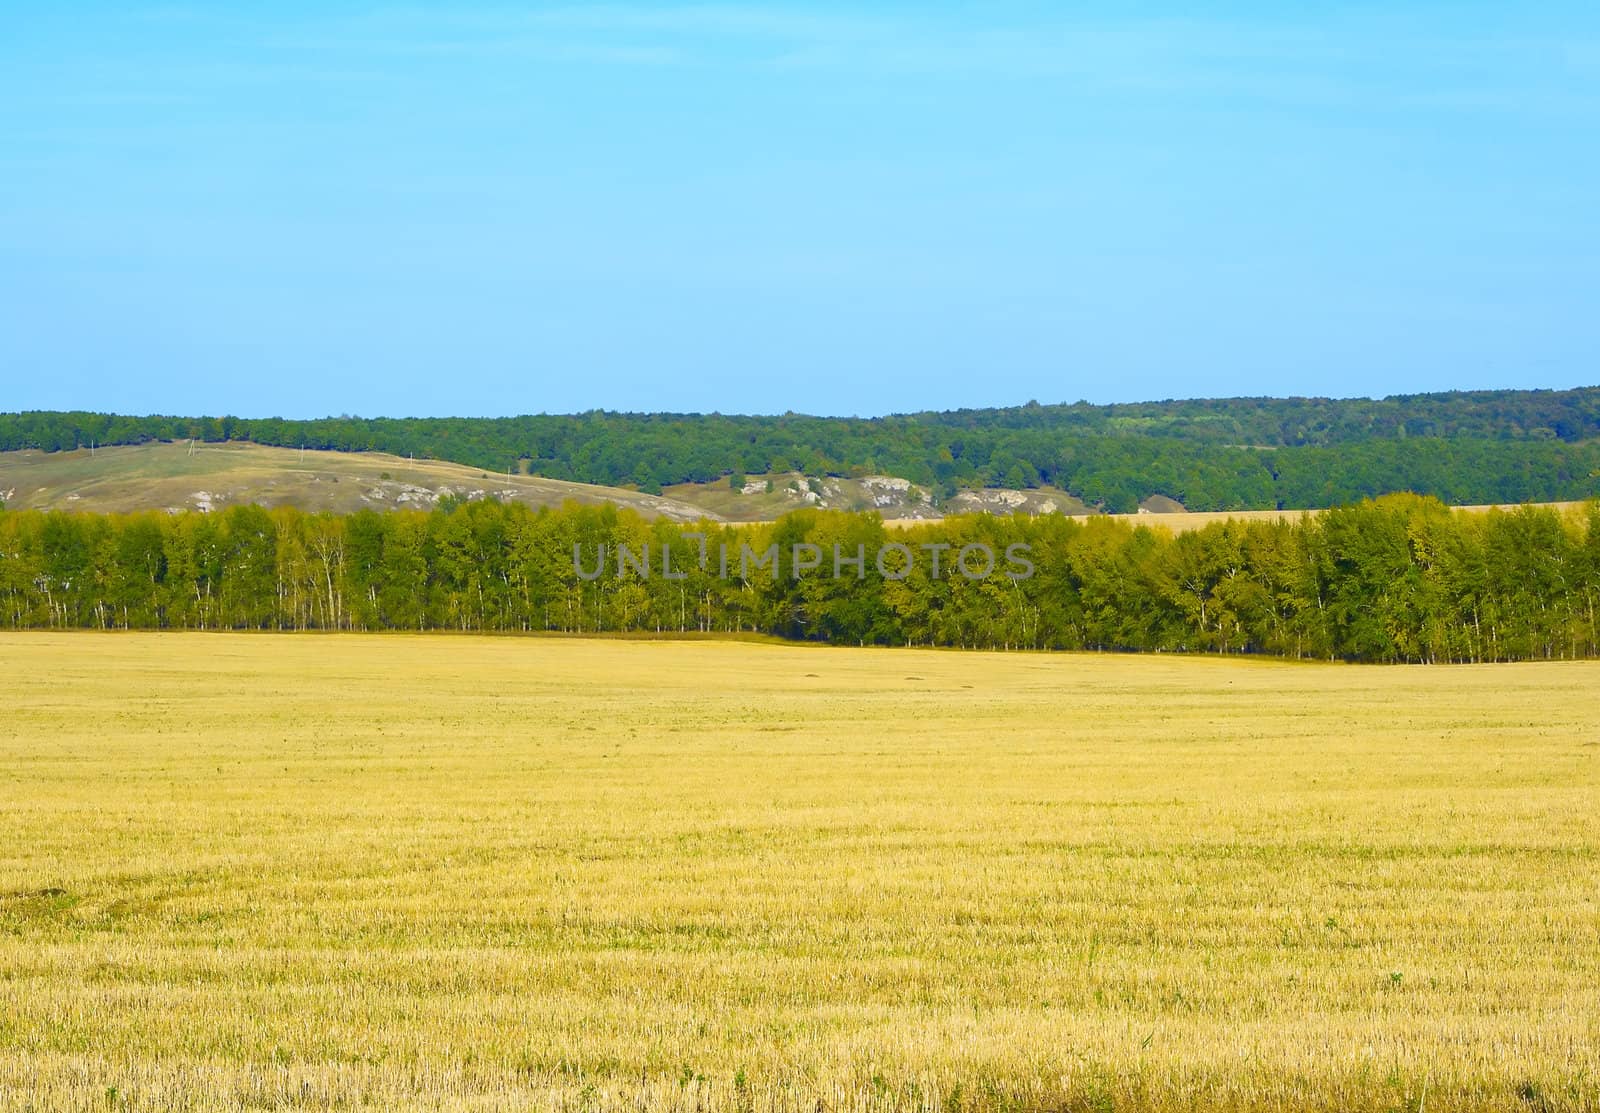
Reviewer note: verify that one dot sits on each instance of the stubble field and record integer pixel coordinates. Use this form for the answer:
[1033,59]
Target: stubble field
[447,872]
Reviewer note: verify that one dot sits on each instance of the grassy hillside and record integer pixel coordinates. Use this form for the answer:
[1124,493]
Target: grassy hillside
[375,873]
[201,476]
[758,498]
[158,476]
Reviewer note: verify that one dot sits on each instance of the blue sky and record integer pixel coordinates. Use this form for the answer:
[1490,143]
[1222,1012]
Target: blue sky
[322,208]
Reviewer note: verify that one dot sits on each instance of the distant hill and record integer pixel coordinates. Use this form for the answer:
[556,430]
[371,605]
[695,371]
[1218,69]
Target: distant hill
[760,498]
[163,475]
[167,476]
[1206,454]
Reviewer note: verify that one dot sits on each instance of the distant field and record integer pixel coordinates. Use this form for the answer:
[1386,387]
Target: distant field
[165,476]
[378,872]
[1182,522]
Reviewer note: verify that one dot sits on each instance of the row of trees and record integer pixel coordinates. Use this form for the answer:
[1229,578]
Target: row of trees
[1222,454]
[1401,579]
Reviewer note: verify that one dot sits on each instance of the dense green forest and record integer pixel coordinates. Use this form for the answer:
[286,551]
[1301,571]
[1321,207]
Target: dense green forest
[1400,579]
[1218,454]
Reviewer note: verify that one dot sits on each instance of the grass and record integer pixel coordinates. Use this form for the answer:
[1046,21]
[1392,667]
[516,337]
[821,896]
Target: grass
[898,507]
[160,476]
[368,873]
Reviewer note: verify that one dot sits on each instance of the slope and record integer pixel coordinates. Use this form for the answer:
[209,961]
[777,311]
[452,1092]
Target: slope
[179,476]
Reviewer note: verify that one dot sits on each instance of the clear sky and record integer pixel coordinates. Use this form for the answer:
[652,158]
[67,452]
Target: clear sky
[318,208]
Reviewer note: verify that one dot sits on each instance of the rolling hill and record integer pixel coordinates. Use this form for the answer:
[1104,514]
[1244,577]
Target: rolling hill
[168,476]
[200,476]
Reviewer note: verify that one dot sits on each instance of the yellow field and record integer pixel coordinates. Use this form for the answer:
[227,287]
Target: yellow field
[1185,521]
[350,872]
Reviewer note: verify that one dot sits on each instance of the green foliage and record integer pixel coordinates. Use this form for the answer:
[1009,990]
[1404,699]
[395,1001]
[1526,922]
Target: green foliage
[1402,578]
[1210,454]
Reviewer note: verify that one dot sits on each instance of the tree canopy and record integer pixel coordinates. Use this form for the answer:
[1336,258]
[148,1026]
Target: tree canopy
[1402,578]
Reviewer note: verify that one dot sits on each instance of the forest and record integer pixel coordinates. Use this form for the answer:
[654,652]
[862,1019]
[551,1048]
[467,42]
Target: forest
[1212,454]
[1400,579]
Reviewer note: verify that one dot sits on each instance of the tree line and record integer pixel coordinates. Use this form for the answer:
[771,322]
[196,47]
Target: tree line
[1402,578]
[1210,454]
